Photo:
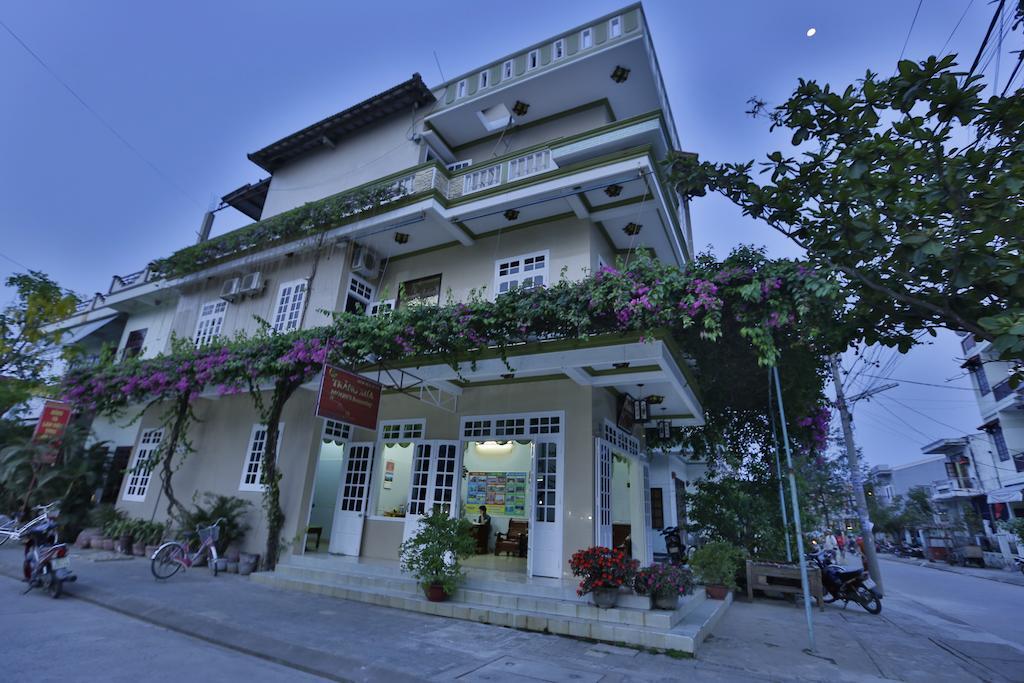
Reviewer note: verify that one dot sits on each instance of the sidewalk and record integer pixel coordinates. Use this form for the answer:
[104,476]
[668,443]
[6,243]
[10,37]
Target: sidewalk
[341,640]
[1012,577]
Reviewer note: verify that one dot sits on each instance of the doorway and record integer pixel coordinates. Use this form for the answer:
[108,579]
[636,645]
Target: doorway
[622,500]
[496,483]
[325,493]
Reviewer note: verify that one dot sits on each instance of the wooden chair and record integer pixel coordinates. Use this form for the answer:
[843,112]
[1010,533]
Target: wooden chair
[514,540]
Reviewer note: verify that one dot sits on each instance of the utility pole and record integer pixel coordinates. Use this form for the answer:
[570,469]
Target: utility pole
[867,528]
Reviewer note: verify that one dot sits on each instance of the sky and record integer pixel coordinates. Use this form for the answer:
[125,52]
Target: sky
[169,97]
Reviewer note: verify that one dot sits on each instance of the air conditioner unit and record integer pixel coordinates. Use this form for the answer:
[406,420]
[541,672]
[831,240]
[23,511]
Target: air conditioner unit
[252,283]
[365,262]
[229,290]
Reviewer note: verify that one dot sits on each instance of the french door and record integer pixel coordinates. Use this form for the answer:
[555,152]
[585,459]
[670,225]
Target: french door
[544,556]
[347,529]
[432,481]
[603,493]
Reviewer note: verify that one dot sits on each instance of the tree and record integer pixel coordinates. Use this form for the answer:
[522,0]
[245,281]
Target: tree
[908,188]
[28,346]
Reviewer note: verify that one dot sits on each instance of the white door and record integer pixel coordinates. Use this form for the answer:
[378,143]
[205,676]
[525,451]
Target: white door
[347,529]
[432,482]
[419,487]
[603,493]
[545,539]
[648,556]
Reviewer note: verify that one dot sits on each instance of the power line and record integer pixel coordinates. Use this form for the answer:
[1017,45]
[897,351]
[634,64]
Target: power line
[927,416]
[924,384]
[17,263]
[98,117]
[988,34]
[911,30]
[959,21]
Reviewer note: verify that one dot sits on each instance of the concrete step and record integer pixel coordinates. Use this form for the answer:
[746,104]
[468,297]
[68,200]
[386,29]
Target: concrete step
[684,636]
[632,609]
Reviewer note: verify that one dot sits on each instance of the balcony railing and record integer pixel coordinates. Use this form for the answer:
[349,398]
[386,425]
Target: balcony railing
[944,488]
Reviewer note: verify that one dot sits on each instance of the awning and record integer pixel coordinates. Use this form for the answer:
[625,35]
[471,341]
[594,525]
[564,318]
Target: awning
[77,334]
[1009,494]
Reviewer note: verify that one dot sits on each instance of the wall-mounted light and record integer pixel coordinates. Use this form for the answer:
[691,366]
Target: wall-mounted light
[620,366]
[511,214]
[494,447]
[620,74]
[401,237]
[655,400]
[632,229]
[509,375]
[664,429]
[613,190]
[520,108]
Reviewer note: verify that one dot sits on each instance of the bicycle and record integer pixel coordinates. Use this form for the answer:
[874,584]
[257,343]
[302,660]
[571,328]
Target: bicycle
[174,555]
[9,528]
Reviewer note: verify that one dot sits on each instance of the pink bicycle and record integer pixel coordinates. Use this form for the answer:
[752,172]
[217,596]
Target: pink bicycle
[174,555]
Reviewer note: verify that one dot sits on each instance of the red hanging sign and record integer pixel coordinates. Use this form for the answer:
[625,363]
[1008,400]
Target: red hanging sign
[53,422]
[347,397]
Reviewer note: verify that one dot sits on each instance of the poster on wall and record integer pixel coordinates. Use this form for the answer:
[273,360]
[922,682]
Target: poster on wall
[504,493]
[389,473]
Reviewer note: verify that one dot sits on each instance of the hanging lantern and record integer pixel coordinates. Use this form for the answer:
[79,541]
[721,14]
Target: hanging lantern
[664,429]
[640,410]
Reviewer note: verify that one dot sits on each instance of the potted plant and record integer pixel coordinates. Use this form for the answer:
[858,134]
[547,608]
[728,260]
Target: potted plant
[139,532]
[716,564]
[233,511]
[247,563]
[153,536]
[664,583]
[603,571]
[434,553]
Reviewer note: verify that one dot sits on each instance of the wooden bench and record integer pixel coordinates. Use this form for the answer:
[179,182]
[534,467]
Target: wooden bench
[783,578]
[514,540]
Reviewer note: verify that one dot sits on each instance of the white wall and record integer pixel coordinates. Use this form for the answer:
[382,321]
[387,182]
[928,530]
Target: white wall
[398,494]
[372,153]
[158,323]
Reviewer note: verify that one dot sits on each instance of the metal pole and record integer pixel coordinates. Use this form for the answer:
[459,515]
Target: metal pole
[867,528]
[796,511]
[778,472]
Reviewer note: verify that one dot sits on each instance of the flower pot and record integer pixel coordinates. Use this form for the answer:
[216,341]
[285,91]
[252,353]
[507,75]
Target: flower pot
[151,549]
[716,592]
[232,567]
[139,548]
[435,593]
[124,545]
[247,563]
[605,598]
[85,537]
[222,564]
[106,543]
[231,553]
[665,600]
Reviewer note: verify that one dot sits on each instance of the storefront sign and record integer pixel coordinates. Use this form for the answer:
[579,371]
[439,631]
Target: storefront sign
[53,422]
[350,398]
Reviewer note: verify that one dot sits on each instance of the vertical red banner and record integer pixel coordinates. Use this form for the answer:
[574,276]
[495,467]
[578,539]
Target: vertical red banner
[53,422]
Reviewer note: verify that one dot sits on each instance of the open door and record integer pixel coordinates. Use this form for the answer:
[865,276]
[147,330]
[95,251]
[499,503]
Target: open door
[347,529]
[544,557]
[432,481]
[603,493]
[419,488]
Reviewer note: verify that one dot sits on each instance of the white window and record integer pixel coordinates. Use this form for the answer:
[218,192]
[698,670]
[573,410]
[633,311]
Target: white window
[211,318]
[360,294]
[252,470]
[291,297]
[615,27]
[524,272]
[559,49]
[506,70]
[460,89]
[465,163]
[381,307]
[142,465]
[586,39]
[397,430]
[484,76]
[533,59]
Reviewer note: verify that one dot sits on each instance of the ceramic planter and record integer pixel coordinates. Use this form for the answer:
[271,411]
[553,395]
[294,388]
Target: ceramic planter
[665,600]
[106,543]
[716,592]
[232,553]
[605,598]
[222,564]
[232,567]
[139,548]
[435,593]
[247,563]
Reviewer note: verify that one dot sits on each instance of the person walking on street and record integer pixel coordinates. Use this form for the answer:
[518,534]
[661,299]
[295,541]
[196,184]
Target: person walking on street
[830,541]
[841,542]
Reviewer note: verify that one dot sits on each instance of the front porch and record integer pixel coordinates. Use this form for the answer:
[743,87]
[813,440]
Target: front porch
[505,599]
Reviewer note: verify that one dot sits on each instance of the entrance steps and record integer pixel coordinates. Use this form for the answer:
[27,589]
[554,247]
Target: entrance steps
[545,605]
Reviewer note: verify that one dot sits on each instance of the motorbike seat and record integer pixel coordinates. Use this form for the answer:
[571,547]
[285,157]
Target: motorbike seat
[847,574]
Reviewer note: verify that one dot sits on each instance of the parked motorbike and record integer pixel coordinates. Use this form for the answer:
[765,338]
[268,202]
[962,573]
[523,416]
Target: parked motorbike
[46,564]
[846,584]
[674,545]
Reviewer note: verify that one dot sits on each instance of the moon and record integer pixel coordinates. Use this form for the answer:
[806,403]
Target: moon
[811,31]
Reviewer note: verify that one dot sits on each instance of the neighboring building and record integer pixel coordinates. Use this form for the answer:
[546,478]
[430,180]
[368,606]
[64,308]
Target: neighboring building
[1002,419]
[542,164]
[892,481]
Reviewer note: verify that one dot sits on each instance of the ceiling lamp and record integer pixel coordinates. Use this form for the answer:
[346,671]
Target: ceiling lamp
[520,108]
[494,447]
[655,400]
[632,229]
[664,429]
[401,237]
[613,190]
[620,366]
[511,214]
[620,74]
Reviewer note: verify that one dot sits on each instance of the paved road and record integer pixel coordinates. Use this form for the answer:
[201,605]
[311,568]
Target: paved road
[982,604]
[71,640]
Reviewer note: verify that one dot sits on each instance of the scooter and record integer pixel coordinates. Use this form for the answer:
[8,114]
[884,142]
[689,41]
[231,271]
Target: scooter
[674,545]
[846,584]
[46,564]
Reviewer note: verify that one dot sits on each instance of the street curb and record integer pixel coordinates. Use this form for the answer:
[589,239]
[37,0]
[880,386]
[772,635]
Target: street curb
[932,565]
[222,635]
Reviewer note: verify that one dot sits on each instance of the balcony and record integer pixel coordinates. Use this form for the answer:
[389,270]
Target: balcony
[957,487]
[1003,390]
[968,343]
